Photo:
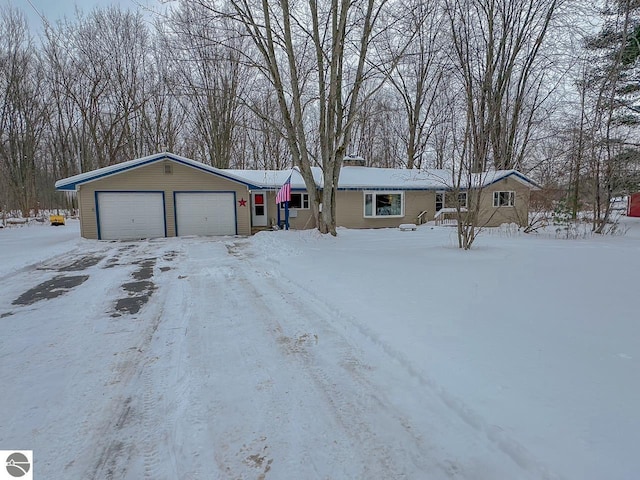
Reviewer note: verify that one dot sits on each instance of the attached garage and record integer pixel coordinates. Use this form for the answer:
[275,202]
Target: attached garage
[205,213]
[130,215]
[161,195]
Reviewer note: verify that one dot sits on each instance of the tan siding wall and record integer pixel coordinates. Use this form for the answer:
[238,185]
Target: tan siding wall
[490,216]
[350,204]
[83,213]
[152,177]
[303,220]
[350,209]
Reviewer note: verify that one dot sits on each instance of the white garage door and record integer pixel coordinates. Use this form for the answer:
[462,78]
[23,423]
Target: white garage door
[131,215]
[205,213]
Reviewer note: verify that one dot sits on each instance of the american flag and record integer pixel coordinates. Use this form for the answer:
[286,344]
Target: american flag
[284,194]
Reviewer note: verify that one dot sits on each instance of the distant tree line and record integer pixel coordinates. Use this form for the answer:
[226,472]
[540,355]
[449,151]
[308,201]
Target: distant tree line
[548,87]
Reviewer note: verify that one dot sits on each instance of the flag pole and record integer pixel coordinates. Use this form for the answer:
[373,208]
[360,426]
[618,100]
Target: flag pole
[286,215]
[278,209]
[284,196]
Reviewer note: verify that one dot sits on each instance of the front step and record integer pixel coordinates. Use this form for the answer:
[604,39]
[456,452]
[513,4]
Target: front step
[255,230]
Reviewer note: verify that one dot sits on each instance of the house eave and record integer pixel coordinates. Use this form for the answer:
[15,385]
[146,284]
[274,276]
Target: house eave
[72,183]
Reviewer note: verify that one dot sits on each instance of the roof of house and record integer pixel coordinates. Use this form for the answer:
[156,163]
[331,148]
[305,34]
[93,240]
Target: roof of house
[358,178]
[71,183]
[372,178]
[351,177]
[271,179]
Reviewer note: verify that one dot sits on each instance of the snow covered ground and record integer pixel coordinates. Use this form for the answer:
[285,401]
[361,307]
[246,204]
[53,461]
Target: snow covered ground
[378,354]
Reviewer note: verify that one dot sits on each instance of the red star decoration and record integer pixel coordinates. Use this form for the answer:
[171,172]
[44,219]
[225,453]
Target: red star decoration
[242,202]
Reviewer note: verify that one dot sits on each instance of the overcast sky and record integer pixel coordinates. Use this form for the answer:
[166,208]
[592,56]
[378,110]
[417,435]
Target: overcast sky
[55,10]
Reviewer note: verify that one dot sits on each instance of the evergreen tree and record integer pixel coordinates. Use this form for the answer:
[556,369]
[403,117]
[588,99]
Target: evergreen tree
[616,52]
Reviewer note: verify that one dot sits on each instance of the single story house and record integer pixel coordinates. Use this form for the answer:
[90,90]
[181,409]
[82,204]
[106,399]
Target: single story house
[165,195]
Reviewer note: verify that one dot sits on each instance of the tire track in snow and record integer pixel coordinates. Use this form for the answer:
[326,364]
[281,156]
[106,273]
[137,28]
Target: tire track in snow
[236,451]
[64,425]
[334,320]
[117,441]
[262,416]
[125,444]
[346,390]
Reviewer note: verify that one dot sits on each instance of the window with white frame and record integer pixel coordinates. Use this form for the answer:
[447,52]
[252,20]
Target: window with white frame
[504,199]
[383,204]
[462,199]
[299,201]
[448,200]
[439,201]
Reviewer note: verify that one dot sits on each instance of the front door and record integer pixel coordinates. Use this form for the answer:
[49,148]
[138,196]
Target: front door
[259,209]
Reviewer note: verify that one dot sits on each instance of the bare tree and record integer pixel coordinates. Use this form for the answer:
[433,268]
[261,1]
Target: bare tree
[100,62]
[498,51]
[210,81]
[418,76]
[377,131]
[496,48]
[22,109]
[163,118]
[265,138]
[318,58]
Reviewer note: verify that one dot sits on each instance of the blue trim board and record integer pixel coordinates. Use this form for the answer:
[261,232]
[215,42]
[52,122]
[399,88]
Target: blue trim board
[386,189]
[235,207]
[95,201]
[158,158]
[205,168]
[164,206]
[235,210]
[437,189]
[515,174]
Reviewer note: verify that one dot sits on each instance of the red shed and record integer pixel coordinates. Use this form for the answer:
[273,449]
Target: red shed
[633,208]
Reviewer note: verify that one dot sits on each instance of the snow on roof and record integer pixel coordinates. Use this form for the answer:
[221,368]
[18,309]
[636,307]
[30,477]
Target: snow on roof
[277,178]
[357,178]
[392,178]
[494,176]
[351,177]
[71,183]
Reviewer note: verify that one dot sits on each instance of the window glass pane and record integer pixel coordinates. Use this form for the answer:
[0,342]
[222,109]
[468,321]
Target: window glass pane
[259,199]
[259,209]
[305,200]
[383,204]
[388,204]
[504,199]
[296,201]
[439,201]
[368,205]
[462,199]
[396,204]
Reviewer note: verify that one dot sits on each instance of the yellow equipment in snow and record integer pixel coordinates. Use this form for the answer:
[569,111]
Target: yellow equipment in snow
[56,220]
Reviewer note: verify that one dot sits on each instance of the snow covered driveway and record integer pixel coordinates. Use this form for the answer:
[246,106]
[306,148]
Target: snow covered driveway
[289,356]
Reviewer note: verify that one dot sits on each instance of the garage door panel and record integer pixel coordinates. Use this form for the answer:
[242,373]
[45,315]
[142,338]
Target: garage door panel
[131,215]
[205,213]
